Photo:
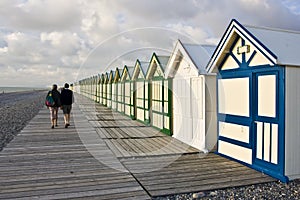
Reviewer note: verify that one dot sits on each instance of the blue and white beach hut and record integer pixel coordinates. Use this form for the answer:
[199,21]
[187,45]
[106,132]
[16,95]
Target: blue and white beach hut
[193,94]
[258,70]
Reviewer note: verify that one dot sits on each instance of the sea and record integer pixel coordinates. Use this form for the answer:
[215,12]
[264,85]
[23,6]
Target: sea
[18,89]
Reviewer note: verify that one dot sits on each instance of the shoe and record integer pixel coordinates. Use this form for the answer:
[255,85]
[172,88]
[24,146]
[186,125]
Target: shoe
[56,125]
[52,126]
[66,126]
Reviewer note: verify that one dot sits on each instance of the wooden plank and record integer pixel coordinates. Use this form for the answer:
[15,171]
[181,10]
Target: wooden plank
[56,164]
[44,163]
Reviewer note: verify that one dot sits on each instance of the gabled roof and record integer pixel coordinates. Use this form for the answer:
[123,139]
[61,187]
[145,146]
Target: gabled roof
[111,76]
[197,54]
[140,65]
[200,54]
[128,70]
[163,61]
[160,61]
[106,77]
[101,78]
[279,46]
[117,75]
[95,79]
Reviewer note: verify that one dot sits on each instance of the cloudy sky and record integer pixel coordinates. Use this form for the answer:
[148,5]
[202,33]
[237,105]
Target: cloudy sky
[56,41]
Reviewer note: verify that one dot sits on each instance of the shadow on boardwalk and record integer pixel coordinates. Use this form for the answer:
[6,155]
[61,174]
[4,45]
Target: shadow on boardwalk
[105,155]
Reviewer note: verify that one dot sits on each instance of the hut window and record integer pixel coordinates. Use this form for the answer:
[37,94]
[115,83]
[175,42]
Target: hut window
[267,96]
[234,96]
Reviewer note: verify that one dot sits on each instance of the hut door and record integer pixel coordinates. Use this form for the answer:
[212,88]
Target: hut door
[266,119]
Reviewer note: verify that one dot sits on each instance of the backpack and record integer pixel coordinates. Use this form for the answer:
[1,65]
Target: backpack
[49,100]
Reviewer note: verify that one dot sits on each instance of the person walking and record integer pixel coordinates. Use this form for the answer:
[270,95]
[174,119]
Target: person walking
[54,93]
[67,99]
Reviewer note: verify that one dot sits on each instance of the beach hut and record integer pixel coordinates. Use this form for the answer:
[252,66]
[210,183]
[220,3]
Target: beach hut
[160,96]
[141,92]
[82,85]
[81,82]
[105,88]
[114,93]
[89,87]
[193,94]
[258,70]
[100,90]
[94,88]
[98,77]
[109,87]
[120,92]
[85,87]
[128,87]
[78,88]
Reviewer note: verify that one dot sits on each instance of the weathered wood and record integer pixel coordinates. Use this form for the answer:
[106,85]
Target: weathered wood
[49,163]
[91,159]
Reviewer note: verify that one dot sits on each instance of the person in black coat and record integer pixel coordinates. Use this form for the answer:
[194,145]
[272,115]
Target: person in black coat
[67,100]
[54,109]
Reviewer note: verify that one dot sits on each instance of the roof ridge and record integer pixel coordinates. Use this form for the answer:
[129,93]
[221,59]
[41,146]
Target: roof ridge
[191,44]
[272,29]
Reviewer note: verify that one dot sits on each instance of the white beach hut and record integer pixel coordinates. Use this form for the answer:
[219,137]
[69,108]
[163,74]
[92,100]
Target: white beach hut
[160,96]
[98,80]
[100,90]
[115,90]
[94,80]
[141,92]
[105,88]
[258,70]
[128,89]
[110,88]
[193,91]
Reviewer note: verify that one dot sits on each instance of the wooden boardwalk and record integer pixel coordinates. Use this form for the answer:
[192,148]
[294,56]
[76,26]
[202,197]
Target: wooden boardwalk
[105,155]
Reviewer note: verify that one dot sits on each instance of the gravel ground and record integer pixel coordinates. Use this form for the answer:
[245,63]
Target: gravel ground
[16,110]
[273,190]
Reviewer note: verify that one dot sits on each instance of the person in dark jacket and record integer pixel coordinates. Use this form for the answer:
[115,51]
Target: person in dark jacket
[67,100]
[54,109]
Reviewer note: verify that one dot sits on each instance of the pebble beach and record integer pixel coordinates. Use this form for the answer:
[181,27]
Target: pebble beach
[274,190]
[18,108]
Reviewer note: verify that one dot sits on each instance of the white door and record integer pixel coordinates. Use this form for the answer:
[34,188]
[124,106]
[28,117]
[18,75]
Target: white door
[198,100]
[182,116]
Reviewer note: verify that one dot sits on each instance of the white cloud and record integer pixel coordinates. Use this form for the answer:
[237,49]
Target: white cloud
[293,5]
[42,42]
[65,42]
[41,15]
[196,34]
[3,50]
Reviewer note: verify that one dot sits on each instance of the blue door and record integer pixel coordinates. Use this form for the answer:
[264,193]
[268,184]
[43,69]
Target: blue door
[268,122]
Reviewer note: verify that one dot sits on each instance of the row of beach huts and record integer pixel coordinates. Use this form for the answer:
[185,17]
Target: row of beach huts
[240,98]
